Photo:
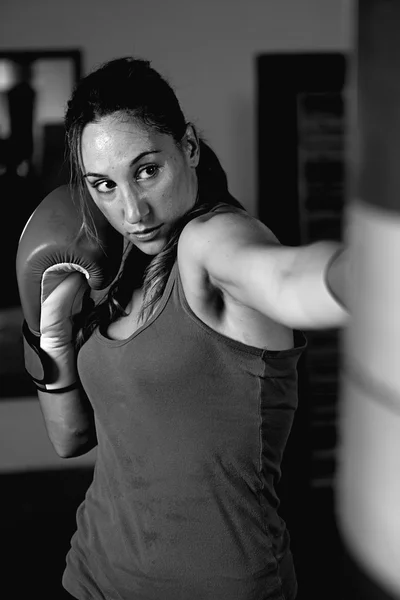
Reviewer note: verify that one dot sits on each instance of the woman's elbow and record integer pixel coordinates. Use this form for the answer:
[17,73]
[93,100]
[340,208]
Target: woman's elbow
[69,444]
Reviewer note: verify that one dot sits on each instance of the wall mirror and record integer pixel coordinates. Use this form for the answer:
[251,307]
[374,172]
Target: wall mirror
[35,86]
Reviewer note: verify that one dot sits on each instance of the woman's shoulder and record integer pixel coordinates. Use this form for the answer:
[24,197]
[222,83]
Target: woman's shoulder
[223,224]
[208,254]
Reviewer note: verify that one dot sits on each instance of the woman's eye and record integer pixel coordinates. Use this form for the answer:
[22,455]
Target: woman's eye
[147,172]
[104,187]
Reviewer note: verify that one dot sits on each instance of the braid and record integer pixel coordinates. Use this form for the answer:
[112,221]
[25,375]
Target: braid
[156,274]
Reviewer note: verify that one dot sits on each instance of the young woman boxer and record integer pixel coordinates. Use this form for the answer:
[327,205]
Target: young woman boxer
[184,373]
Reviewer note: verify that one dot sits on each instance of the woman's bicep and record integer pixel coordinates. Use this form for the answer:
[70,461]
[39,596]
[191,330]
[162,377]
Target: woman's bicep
[254,275]
[241,257]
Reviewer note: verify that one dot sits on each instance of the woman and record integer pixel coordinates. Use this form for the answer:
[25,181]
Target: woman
[188,364]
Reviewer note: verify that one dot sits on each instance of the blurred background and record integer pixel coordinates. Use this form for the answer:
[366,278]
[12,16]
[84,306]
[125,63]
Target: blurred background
[265,83]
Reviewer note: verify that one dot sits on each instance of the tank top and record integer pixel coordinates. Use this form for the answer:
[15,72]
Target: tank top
[191,428]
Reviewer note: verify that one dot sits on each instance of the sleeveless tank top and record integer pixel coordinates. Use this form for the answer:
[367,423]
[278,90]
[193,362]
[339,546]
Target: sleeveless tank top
[191,428]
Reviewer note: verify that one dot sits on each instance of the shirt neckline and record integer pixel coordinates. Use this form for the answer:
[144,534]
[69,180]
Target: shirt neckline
[161,305]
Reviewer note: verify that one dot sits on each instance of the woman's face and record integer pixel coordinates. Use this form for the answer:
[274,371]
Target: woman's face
[140,179]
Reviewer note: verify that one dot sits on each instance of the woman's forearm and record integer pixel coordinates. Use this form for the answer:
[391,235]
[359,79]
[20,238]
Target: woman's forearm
[315,287]
[69,422]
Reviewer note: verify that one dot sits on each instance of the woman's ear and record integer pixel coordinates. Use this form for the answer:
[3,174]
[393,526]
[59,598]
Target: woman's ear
[191,145]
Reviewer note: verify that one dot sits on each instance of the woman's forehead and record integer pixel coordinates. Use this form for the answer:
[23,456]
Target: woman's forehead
[112,126]
[118,139]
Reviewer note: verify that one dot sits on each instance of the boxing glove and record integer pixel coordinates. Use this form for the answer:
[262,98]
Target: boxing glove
[57,266]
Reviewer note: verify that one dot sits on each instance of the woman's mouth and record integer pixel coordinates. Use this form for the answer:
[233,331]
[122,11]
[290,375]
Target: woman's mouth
[146,234]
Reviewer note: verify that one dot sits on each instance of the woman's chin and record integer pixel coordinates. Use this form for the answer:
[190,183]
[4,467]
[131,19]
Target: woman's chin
[152,247]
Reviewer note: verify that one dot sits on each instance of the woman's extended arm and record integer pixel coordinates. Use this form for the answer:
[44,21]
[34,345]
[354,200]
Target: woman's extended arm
[301,287]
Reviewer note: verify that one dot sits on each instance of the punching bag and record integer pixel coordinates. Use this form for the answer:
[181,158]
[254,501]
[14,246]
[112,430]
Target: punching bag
[367,490]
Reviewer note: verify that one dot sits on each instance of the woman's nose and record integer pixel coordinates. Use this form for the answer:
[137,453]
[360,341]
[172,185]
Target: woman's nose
[134,207]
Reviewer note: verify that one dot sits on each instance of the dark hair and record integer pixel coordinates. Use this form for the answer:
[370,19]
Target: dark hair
[131,86]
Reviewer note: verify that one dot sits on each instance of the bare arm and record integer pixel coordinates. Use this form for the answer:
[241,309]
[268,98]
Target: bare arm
[287,284]
[69,422]
[316,285]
